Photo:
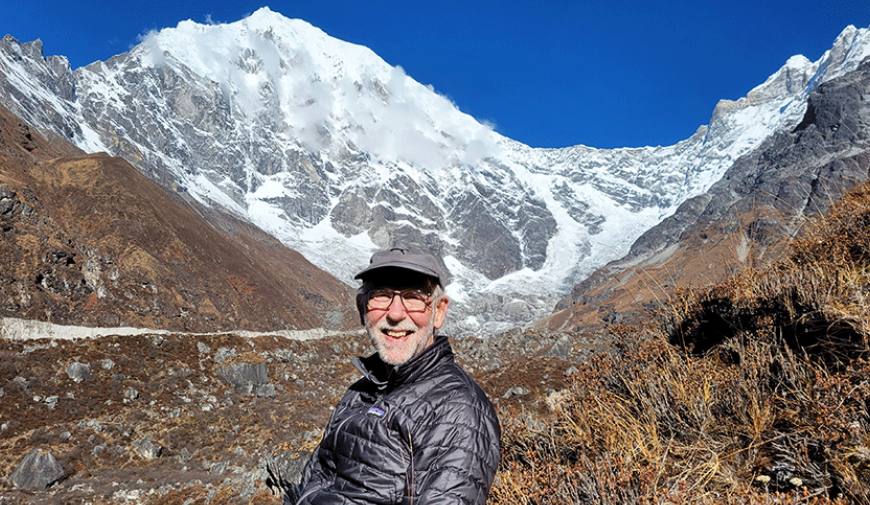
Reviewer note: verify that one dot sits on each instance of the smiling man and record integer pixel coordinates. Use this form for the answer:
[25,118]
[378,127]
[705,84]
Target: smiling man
[415,429]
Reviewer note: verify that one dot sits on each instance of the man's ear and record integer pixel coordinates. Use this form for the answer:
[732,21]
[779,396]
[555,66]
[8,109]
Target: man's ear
[361,305]
[441,311]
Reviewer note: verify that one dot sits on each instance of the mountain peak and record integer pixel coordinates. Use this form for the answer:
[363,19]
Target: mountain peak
[850,48]
[265,17]
[323,91]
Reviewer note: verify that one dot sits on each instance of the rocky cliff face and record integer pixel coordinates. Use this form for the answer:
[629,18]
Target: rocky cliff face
[87,239]
[762,199]
[336,153]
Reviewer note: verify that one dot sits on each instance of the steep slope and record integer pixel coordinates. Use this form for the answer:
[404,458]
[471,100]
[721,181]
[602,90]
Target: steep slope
[87,239]
[335,152]
[764,198]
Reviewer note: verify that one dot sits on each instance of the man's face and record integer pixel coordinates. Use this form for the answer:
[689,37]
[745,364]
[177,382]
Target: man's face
[400,335]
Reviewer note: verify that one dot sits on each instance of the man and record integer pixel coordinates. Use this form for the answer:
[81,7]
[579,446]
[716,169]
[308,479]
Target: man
[415,429]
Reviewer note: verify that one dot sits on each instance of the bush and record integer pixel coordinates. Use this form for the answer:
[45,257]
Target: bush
[754,391]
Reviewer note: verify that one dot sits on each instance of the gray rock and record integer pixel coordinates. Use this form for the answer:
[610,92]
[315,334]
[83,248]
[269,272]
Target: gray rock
[250,481]
[51,401]
[203,348]
[107,364]
[131,394]
[515,392]
[562,347]
[223,353]
[265,390]
[283,470]
[218,467]
[22,383]
[245,377]
[78,372]
[8,202]
[284,355]
[37,471]
[92,424]
[147,448]
[2,393]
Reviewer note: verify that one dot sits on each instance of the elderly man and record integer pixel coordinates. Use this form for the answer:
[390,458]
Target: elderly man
[415,429]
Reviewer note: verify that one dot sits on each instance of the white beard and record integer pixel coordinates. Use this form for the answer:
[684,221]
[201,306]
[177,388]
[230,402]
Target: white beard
[400,351]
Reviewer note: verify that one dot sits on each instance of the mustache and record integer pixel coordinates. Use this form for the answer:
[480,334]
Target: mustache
[400,326]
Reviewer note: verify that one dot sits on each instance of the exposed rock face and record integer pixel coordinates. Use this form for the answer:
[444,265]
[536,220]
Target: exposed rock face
[37,471]
[248,378]
[763,198]
[334,152]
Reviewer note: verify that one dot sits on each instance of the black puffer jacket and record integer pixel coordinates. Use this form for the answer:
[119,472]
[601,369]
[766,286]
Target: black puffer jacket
[423,433]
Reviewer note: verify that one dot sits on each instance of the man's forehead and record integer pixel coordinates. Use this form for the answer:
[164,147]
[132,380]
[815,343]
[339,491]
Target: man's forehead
[392,277]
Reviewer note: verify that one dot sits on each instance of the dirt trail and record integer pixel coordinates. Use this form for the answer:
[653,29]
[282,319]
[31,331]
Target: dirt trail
[28,329]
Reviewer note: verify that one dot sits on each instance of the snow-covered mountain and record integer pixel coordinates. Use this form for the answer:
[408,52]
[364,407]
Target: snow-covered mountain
[336,152]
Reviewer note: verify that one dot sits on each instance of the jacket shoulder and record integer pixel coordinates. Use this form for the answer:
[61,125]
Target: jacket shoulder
[459,395]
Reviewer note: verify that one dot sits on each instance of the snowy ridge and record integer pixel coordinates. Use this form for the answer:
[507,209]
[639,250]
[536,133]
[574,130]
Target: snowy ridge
[337,153]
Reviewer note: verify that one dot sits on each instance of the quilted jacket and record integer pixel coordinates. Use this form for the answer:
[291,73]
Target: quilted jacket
[422,433]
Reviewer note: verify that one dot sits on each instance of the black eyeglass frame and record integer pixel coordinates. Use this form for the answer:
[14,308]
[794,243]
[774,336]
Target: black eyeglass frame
[427,297]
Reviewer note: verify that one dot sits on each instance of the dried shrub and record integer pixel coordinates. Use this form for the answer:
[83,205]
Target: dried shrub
[756,391]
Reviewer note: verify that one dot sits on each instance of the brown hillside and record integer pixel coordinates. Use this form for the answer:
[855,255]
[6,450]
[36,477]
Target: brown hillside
[87,239]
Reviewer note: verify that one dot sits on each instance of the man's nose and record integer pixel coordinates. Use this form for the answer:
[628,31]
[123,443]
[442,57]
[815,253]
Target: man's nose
[396,311]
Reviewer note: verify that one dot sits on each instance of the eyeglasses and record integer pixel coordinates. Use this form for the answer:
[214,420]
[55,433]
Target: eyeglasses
[413,300]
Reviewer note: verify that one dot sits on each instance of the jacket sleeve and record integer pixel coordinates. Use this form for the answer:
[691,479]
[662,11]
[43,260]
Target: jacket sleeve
[456,456]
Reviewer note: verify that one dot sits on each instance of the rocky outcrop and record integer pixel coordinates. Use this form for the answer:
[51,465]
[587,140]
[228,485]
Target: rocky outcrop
[37,471]
[248,378]
[762,199]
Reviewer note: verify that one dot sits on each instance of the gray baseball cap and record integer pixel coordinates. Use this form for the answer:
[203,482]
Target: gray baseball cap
[398,257]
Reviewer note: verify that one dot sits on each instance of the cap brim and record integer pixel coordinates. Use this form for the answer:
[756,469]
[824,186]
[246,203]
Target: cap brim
[400,264]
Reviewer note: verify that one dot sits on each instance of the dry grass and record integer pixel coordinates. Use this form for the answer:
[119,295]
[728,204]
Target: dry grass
[755,391]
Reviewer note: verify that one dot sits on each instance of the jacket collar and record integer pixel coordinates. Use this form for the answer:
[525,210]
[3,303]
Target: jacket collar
[383,375]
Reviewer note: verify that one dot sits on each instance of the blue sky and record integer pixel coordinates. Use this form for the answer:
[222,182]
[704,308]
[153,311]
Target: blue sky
[606,74]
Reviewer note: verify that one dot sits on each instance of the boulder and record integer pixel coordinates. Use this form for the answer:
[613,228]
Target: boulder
[37,471]
[78,372]
[148,449]
[515,391]
[246,377]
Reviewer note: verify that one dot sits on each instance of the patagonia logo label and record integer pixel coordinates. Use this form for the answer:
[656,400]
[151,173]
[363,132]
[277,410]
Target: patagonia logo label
[376,411]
